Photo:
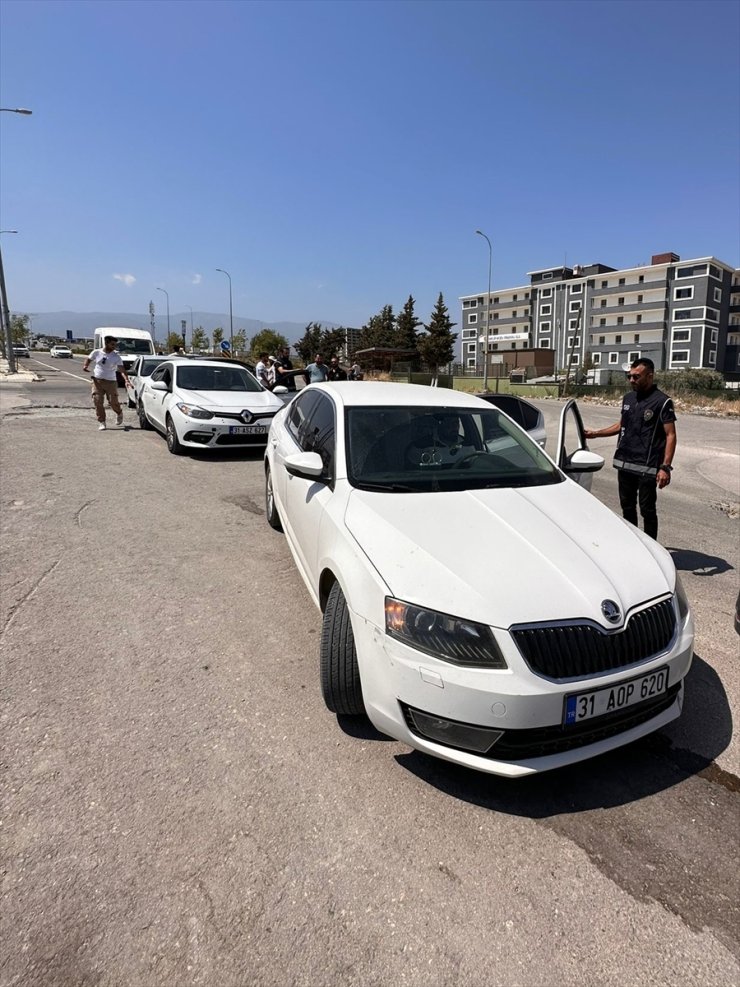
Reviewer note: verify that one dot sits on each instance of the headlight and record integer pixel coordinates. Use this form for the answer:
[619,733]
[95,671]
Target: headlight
[192,412]
[681,599]
[453,639]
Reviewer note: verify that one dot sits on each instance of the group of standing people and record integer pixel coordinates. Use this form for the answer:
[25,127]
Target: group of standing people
[273,370]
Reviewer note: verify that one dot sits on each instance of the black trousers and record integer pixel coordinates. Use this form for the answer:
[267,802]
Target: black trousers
[634,487]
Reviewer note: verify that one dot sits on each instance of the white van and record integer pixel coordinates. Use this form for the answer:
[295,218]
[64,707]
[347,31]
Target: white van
[131,343]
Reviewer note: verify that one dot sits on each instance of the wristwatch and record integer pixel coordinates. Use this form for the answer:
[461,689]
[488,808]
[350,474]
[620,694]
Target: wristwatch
[666,468]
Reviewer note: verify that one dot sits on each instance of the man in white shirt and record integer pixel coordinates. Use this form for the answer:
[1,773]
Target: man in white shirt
[260,371]
[104,384]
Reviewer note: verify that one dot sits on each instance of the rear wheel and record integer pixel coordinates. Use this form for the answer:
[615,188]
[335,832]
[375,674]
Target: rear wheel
[271,511]
[173,443]
[143,420]
[339,671]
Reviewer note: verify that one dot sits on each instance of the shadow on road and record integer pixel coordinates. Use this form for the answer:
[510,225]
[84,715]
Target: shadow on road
[686,560]
[653,764]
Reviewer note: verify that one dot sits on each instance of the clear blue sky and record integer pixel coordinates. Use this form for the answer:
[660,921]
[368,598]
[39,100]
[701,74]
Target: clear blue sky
[337,157]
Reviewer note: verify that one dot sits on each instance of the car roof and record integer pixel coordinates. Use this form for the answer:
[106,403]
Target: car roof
[382,393]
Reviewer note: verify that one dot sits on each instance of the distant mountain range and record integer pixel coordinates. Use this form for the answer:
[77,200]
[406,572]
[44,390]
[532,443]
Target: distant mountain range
[82,324]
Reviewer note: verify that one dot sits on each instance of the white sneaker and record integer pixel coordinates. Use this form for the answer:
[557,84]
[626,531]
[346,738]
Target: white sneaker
[101,427]
[119,419]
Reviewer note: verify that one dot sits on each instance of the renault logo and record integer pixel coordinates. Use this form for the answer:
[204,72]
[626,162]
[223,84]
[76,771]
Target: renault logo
[246,416]
[611,611]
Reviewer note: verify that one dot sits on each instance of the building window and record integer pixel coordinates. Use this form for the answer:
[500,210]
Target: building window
[617,339]
[515,298]
[620,301]
[713,338]
[495,315]
[596,359]
[614,358]
[471,364]
[603,302]
[576,289]
[639,299]
[470,303]
[469,334]
[513,314]
[712,315]
[575,358]
[602,340]
[621,281]
[637,338]
[638,318]
[681,335]
[680,356]
[545,343]
[545,326]
[547,292]
[682,313]
[717,294]
[574,306]
[472,319]
[604,284]
[547,276]
[697,271]
[687,292]
[632,356]
[602,322]
[712,357]
[620,320]
[576,341]
[641,279]
[715,272]
[545,309]
[572,323]
[471,347]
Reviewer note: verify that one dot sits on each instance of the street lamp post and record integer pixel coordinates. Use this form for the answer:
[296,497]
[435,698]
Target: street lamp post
[191,327]
[231,311]
[488,312]
[168,313]
[5,317]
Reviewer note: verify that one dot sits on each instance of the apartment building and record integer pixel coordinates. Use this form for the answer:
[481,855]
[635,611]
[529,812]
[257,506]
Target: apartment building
[678,313]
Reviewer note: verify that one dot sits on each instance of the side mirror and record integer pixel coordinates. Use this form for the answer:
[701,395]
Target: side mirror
[280,389]
[158,385]
[584,461]
[306,465]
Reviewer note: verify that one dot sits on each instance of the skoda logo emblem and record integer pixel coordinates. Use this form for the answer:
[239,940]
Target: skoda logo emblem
[611,611]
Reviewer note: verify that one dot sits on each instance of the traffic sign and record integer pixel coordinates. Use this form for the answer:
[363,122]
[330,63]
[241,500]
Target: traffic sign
[225,345]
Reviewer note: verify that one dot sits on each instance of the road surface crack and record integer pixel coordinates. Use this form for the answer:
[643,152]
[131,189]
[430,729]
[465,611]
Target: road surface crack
[24,599]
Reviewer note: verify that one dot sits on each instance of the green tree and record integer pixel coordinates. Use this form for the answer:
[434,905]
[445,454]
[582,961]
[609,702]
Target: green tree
[332,342]
[267,341]
[379,330]
[19,328]
[218,335]
[407,338]
[200,339]
[310,342]
[174,339]
[239,341]
[437,346]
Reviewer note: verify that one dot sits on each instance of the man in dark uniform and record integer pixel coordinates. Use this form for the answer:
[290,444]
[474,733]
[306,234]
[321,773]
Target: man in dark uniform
[336,370]
[282,366]
[646,446]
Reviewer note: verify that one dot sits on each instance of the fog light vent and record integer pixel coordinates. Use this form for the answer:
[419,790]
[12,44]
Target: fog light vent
[451,733]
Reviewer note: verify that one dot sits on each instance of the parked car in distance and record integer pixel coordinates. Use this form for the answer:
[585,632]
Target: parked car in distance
[61,353]
[20,350]
[478,603]
[144,366]
[522,412]
[206,404]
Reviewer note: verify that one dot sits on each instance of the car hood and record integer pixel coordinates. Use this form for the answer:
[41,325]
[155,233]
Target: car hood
[506,557]
[232,401]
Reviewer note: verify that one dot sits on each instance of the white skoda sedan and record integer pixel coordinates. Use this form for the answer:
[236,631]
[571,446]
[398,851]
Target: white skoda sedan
[478,603]
[206,404]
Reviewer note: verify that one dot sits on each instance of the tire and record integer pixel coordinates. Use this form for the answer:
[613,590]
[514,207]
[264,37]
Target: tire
[143,420]
[271,511]
[173,443]
[338,668]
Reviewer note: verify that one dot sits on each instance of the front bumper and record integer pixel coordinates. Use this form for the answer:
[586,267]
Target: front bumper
[522,712]
[219,433]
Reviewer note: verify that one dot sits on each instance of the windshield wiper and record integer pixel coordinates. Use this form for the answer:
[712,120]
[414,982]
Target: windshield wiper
[386,487]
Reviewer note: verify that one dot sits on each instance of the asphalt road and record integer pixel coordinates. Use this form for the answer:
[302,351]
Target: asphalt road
[179,807]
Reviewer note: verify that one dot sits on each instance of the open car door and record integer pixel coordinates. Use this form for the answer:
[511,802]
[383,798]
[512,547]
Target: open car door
[572,453]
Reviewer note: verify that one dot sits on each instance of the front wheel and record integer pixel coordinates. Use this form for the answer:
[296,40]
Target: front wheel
[173,443]
[338,668]
[271,511]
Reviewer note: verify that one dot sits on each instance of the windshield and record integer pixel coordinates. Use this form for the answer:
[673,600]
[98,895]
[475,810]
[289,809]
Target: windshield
[200,378]
[133,346]
[408,449]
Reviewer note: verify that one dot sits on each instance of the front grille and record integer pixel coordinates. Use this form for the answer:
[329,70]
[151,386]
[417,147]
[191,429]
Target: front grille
[521,745]
[257,416]
[572,651]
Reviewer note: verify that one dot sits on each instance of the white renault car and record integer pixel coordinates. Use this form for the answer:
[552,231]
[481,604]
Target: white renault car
[206,404]
[478,603]
[61,353]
